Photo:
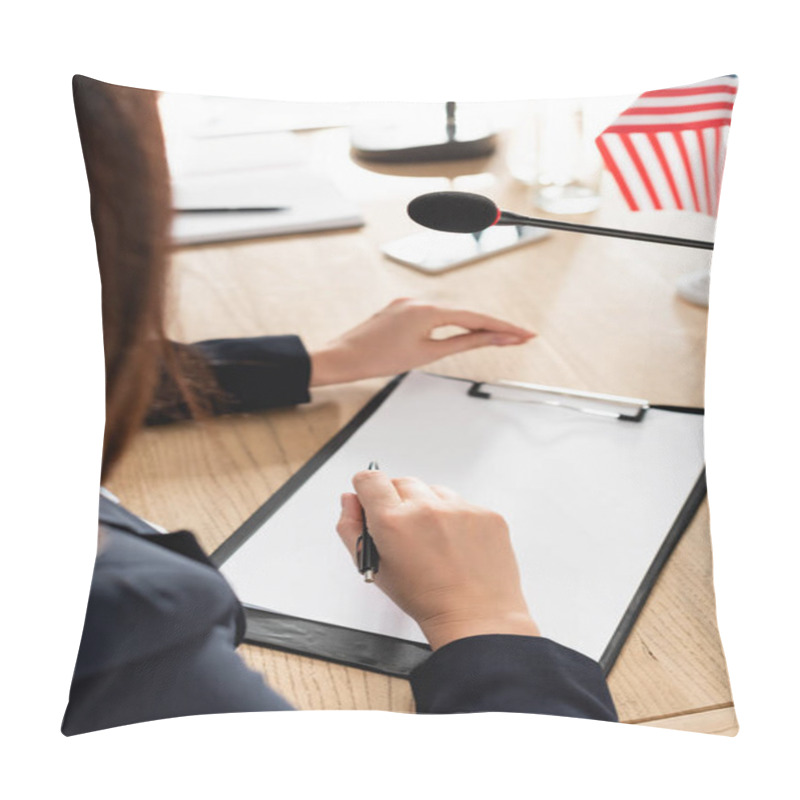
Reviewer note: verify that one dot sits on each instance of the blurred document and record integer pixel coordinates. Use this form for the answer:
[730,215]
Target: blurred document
[261,170]
[308,201]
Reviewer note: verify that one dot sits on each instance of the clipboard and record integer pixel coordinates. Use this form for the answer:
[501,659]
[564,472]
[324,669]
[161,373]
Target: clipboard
[564,418]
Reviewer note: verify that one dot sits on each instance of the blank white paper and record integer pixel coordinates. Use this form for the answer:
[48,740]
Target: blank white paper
[589,501]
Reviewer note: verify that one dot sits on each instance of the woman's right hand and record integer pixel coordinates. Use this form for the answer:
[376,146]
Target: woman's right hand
[400,337]
[446,563]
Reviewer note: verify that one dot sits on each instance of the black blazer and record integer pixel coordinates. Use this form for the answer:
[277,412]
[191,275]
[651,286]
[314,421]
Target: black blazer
[162,624]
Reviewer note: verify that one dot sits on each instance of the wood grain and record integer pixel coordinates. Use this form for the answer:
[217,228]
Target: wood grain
[607,318]
[719,721]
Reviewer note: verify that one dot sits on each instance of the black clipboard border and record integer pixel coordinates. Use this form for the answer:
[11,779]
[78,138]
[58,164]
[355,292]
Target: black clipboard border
[385,654]
[371,651]
[679,526]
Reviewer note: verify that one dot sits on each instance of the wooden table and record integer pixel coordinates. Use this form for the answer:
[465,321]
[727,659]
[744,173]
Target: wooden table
[608,320]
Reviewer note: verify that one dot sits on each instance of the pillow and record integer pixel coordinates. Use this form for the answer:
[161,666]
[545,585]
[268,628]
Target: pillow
[236,238]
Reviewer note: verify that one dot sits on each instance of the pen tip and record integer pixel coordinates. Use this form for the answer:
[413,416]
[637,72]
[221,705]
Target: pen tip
[373,465]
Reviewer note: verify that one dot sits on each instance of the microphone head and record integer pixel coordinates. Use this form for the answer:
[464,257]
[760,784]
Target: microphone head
[455,212]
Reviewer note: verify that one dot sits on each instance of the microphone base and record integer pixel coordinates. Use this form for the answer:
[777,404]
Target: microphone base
[401,145]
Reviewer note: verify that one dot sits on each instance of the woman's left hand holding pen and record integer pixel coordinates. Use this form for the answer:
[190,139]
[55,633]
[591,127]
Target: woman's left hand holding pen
[445,562]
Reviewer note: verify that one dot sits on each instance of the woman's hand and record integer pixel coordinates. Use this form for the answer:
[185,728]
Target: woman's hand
[446,563]
[398,338]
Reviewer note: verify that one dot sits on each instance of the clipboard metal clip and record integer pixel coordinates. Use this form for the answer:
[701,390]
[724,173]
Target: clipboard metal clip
[629,409]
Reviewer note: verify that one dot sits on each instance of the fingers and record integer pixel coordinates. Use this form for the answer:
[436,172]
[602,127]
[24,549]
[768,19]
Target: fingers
[411,489]
[440,315]
[350,523]
[443,493]
[474,321]
[483,331]
[470,341]
[375,491]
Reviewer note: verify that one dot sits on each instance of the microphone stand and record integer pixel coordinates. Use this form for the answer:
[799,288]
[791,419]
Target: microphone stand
[509,218]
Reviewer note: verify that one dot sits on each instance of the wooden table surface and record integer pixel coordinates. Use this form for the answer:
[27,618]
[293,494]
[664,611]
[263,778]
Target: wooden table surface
[608,320]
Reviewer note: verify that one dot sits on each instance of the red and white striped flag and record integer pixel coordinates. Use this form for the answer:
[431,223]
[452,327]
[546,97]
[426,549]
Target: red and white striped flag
[667,150]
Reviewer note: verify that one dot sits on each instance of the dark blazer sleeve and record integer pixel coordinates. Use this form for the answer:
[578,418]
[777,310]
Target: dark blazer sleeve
[248,374]
[159,639]
[528,674]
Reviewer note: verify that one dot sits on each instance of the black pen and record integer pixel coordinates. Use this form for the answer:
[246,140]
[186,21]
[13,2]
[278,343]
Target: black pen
[366,551]
[231,209]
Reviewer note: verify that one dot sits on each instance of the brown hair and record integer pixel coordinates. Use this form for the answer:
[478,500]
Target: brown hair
[126,166]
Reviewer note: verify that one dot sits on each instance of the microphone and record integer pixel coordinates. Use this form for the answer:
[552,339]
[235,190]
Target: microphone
[464,212]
